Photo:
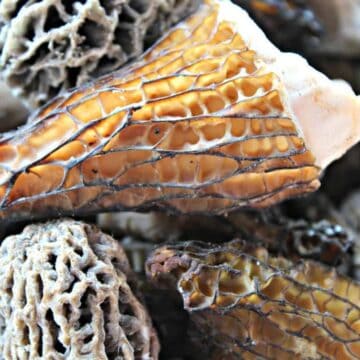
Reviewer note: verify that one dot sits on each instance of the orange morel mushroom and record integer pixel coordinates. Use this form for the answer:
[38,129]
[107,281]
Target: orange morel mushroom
[248,304]
[212,118]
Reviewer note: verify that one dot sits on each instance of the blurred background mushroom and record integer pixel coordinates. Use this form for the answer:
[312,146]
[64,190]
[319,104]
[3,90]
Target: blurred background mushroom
[50,45]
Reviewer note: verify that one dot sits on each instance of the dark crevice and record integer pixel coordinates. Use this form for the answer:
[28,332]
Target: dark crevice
[23,298]
[125,38]
[111,348]
[68,6]
[10,285]
[52,260]
[72,75]
[55,332]
[26,336]
[18,7]
[93,33]
[86,268]
[53,19]
[140,6]
[30,31]
[104,278]
[88,338]
[72,284]
[40,342]
[67,311]
[79,251]
[38,56]
[40,286]
[85,311]
[124,303]
[126,17]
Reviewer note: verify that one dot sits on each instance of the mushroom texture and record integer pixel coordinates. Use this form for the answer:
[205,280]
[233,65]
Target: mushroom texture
[212,118]
[49,46]
[247,304]
[65,294]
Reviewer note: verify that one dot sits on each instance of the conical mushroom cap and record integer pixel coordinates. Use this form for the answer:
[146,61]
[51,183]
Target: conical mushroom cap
[212,118]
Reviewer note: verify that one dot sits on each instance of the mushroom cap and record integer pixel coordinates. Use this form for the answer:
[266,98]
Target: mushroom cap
[246,303]
[65,294]
[49,46]
[212,118]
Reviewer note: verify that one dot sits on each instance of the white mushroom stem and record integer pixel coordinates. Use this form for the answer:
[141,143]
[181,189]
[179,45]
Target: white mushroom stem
[327,112]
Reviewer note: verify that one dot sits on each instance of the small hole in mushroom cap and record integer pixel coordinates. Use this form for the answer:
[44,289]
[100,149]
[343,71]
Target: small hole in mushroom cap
[40,286]
[126,16]
[140,6]
[86,315]
[55,332]
[67,311]
[126,39]
[93,33]
[104,278]
[72,284]
[78,251]
[68,6]
[40,341]
[30,31]
[88,338]
[19,5]
[52,260]
[26,336]
[53,19]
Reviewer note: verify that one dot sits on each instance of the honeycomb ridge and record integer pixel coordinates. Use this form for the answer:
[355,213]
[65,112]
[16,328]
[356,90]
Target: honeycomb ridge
[49,46]
[65,295]
[249,304]
[198,124]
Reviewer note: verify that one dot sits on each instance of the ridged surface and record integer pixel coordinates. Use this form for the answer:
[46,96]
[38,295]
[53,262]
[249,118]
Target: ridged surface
[49,46]
[197,125]
[246,304]
[67,293]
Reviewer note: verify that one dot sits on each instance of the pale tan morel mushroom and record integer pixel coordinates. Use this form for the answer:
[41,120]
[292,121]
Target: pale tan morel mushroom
[65,294]
[212,118]
[49,46]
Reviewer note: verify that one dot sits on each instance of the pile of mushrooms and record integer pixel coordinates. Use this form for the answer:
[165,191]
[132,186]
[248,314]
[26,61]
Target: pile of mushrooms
[211,124]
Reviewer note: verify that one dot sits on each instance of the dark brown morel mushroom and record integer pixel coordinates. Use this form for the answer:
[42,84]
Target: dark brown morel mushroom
[290,24]
[324,241]
[65,294]
[248,304]
[212,118]
[49,46]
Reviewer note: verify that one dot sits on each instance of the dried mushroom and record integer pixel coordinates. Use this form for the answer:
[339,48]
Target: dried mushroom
[327,241]
[65,294]
[50,45]
[212,118]
[324,241]
[246,304]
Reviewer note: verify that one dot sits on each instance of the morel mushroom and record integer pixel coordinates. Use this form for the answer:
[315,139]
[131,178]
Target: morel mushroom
[248,304]
[48,46]
[212,118]
[65,294]
[291,24]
